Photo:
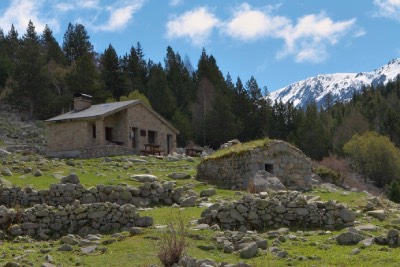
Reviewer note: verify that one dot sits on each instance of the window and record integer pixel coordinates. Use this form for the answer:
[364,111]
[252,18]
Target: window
[269,168]
[94,131]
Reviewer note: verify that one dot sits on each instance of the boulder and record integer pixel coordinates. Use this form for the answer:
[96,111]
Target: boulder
[208,192]
[189,201]
[349,238]
[249,250]
[263,181]
[70,179]
[347,216]
[144,178]
[379,214]
[5,182]
[144,221]
[6,172]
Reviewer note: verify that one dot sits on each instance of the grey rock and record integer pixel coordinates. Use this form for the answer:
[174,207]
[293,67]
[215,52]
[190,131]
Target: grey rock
[355,251]
[72,179]
[208,192]
[349,238]
[179,175]
[47,264]
[38,173]
[5,182]
[189,201]
[393,233]
[65,247]
[249,251]
[263,181]
[367,242]
[206,247]
[367,228]
[379,214]
[171,158]
[69,239]
[135,231]
[347,216]
[6,171]
[89,249]
[144,221]
[144,178]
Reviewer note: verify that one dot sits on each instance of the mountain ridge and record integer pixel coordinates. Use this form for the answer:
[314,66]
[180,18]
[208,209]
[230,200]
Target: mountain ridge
[340,86]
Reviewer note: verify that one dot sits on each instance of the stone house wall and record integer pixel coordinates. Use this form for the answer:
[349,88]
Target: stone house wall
[70,137]
[279,158]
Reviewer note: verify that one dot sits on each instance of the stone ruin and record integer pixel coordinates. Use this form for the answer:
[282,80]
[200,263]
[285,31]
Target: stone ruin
[70,208]
[275,159]
[283,208]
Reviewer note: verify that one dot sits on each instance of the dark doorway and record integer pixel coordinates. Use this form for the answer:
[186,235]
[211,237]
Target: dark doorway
[134,136]
[109,134]
[269,168]
[151,137]
[169,143]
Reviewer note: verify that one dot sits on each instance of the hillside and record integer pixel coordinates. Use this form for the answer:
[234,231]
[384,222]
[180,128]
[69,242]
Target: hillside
[338,87]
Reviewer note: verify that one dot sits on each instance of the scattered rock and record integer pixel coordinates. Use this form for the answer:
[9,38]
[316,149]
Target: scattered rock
[135,231]
[71,179]
[208,192]
[249,250]
[144,178]
[349,238]
[6,172]
[38,173]
[379,214]
[89,249]
[65,247]
[144,221]
[179,175]
[189,201]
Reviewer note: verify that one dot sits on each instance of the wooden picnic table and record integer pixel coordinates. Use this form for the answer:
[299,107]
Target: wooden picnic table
[152,149]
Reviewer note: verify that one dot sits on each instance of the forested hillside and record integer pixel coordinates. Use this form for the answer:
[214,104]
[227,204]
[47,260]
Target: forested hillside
[39,76]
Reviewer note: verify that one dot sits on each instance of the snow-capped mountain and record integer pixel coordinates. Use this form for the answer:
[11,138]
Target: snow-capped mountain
[340,86]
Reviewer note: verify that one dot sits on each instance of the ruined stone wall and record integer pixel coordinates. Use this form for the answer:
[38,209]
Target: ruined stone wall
[284,161]
[44,222]
[67,208]
[66,194]
[283,209]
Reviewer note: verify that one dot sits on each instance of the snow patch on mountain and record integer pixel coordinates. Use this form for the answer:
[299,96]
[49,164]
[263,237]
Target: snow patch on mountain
[339,86]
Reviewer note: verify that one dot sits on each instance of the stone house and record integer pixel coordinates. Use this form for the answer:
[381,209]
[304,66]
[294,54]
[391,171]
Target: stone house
[108,129]
[275,158]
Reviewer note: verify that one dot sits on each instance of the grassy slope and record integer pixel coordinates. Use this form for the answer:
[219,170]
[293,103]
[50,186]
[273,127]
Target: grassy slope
[311,247]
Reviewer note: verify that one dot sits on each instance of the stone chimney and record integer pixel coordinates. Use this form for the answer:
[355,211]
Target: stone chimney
[82,101]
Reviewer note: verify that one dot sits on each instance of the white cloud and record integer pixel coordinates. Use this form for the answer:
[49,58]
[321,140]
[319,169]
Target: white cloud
[248,24]
[388,9]
[120,16]
[196,25]
[308,39]
[19,12]
[175,2]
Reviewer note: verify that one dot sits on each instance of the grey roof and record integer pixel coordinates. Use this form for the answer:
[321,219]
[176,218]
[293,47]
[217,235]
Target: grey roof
[94,111]
[102,110]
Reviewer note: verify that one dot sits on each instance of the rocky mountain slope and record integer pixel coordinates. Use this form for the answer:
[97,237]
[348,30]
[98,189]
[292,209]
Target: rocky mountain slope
[339,86]
[17,133]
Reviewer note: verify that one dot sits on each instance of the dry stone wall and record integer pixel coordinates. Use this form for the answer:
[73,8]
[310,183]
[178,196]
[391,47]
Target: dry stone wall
[150,193]
[92,152]
[286,208]
[70,208]
[279,158]
[44,222]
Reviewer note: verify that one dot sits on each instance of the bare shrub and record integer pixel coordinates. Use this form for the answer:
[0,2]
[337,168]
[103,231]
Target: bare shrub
[173,243]
[339,166]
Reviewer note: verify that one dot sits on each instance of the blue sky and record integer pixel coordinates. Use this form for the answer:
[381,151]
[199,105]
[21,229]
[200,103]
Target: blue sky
[277,41]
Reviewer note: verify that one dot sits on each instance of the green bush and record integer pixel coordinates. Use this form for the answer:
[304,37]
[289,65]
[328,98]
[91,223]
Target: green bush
[394,191]
[328,175]
[375,157]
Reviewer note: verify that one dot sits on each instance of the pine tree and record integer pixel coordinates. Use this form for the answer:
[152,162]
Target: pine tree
[76,42]
[111,73]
